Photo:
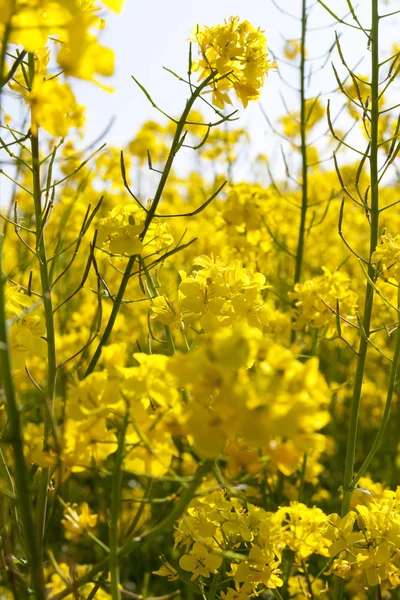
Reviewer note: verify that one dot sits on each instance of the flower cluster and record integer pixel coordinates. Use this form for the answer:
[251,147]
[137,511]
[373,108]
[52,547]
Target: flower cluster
[236,55]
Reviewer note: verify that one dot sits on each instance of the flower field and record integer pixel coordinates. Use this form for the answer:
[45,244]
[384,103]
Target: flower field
[199,383]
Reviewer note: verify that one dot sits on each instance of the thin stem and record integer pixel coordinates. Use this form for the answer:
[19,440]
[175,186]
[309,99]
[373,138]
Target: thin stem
[304,166]
[15,438]
[50,329]
[369,294]
[175,146]
[153,294]
[116,511]
[165,525]
[386,413]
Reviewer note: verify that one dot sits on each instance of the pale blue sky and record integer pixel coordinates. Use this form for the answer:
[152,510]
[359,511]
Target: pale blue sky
[150,34]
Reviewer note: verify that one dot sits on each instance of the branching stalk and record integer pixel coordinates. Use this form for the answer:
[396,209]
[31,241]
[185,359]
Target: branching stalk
[175,146]
[15,438]
[369,293]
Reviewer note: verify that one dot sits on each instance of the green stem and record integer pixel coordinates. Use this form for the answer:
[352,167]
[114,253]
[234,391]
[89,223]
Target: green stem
[303,478]
[50,329]
[304,166]
[175,146]
[113,316]
[303,135]
[277,594]
[15,436]
[385,417]
[4,44]
[154,292]
[116,511]
[369,293]
[165,525]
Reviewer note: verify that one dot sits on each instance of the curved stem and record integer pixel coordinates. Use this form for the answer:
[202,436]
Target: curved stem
[175,146]
[15,438]
[115,512]
[386,413]
[164,525]
[154,292]
[303,135]
[369,293]
[50,329]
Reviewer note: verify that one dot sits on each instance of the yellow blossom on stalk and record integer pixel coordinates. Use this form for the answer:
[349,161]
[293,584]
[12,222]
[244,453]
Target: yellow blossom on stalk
[292,49]
[316,301]
[119,231]
[27,335]
[53,106]
[114,4]
[97,394]
[108,165]
[27,328]
[84,57]
[340,566]
[277,396]
[200,562]
[72,25]
[314,113]
[167,570]
[304,530]
[245,205]
[149,140]
[221,292]
[151,381]
[340,532]
[87,443]
[232,594]
[223,145]
[77,521]
[33,446]
[299,587]
[375,562]
[387,256]
[236,53]
[260,568]
[165,311]
[32,22]
[152,445]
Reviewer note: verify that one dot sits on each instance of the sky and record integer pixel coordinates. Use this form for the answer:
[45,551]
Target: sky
[151,34]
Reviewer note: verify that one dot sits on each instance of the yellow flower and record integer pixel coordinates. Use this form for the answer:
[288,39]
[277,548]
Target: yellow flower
[52,104]
[260,568]
[314,112]
[27,329]
[119,231]
[387,255]
[236,53]
[374,562]
[200,562]
[165,311]
[83,57]
[168,571]
[76,523]
[233,594]
[340,532]
[292,49]
[114,4]
[316,301]
[340,566]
